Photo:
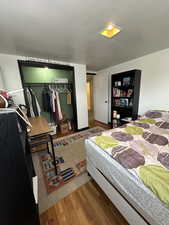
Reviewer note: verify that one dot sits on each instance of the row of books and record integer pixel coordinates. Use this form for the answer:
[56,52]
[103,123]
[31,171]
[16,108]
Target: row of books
[125,82]
[123,102]
[121,93]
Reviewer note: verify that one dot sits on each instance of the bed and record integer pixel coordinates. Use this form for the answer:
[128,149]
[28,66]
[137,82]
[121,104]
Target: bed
[133,198]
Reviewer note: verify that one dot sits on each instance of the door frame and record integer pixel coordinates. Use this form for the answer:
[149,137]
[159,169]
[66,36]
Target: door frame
[90,79]
[50,66]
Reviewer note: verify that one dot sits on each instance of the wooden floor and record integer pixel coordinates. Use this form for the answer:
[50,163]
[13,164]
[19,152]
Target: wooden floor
[88,205]
[100,124]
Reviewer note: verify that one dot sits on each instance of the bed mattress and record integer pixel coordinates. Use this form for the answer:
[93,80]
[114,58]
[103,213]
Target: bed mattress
[130,187]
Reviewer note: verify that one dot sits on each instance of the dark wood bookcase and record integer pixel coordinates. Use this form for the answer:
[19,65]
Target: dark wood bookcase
[125,91]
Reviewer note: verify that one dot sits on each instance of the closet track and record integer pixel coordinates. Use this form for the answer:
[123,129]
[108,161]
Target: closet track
[46,84]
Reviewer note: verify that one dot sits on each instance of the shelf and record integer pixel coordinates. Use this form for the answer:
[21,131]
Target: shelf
[122,119]
[123,100]
[124,87]
[122,107]
[122,97]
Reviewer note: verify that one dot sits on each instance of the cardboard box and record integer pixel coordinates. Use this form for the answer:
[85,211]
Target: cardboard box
[64,128]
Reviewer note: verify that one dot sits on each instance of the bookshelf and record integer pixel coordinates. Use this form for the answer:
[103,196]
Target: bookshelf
[125,91]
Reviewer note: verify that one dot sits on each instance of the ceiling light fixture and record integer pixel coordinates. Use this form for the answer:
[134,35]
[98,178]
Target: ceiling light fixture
[110,31]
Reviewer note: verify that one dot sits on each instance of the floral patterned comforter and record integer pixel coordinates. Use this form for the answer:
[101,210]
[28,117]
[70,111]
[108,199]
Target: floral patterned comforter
[142,147]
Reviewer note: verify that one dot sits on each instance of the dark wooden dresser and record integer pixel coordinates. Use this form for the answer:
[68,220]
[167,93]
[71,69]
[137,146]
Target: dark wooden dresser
[17,200]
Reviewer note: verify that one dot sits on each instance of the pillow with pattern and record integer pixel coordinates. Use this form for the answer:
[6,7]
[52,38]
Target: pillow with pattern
[157,114]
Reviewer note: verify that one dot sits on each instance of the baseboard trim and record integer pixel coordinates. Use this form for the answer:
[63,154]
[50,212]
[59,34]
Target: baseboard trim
[106,124]
[85,128]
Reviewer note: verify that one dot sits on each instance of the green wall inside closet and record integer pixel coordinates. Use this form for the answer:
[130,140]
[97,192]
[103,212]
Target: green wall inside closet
[43,75]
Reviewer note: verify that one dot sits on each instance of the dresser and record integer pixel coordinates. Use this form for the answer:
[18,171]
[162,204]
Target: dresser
[18,189]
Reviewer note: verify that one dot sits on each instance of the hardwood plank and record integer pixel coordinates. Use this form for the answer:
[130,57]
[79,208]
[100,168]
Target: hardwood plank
[60,214]
[98,206]
[88,205]
[44,218]
[104,125]
[52,216]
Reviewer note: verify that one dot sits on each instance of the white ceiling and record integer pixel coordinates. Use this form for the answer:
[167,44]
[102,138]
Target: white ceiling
[68,30]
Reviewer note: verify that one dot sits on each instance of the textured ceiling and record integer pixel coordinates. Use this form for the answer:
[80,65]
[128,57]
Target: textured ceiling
[68,30]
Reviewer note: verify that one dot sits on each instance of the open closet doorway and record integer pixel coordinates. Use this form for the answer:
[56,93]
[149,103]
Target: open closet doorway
[90,105]
[53,87]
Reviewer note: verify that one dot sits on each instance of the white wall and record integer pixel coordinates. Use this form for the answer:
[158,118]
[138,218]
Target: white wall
[1,80]
[81,96]
[11,75]
[154,92]
[12,81]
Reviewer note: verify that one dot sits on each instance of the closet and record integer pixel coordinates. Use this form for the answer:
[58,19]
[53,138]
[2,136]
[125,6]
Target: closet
[40,81]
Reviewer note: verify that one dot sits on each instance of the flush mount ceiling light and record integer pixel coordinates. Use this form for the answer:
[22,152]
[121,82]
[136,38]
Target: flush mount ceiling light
[110,31]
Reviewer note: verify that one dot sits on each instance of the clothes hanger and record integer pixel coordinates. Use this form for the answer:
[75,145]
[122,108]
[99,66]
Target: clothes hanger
[3,101]
[24,117]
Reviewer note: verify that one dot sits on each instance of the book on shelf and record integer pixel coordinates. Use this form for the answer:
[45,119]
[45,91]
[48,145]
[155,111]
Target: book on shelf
[116,123]
[116,92]
[121,93]
[131,103]
[117,83]
[129,92]
[123,102]
[126,81]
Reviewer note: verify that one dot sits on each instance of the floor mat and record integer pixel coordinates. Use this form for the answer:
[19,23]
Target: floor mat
[70,159]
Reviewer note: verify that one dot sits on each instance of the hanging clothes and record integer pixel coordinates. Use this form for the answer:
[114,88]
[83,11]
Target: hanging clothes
[32,103]
[51,103]
[52,98]
[69,98]
[58,106]
[28,99]
[35,104]
[57,114]
[46,100]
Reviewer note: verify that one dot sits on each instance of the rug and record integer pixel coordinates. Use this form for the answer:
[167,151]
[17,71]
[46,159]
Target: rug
[77,136]
[70,159]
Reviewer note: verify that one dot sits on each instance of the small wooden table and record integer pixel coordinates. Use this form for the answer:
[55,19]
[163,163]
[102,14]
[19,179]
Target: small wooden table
[39,126]
[40,129]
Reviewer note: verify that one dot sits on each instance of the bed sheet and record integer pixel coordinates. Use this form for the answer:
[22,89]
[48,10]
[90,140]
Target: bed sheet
[131,187]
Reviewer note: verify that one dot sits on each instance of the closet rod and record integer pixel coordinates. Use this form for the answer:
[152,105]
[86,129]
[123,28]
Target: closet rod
[44,84]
